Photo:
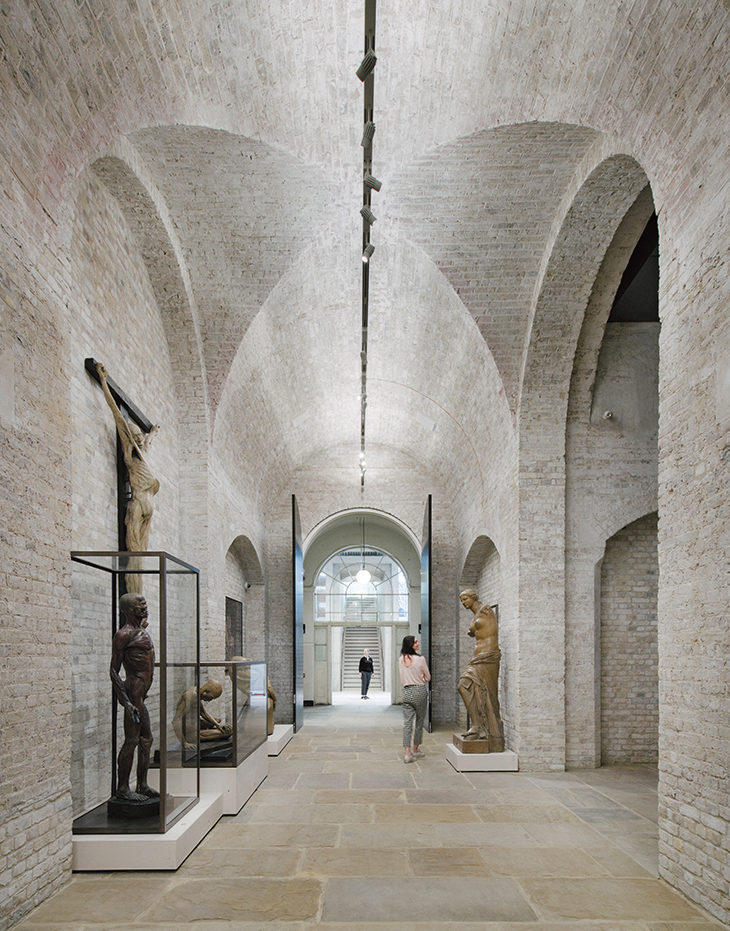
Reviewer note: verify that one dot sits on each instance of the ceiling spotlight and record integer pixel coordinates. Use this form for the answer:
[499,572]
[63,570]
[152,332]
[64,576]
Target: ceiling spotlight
[363,576]
[367,65]
[367,252]
[367,214]
[367,134]
[372,182]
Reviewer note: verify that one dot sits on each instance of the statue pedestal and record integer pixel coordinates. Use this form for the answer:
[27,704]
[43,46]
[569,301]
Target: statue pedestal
[283,733]
[475,761]
[470,746]
[236,784]
[111,852]
[125,810]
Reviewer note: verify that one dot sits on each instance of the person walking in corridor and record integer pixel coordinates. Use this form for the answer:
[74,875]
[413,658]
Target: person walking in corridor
[414,675]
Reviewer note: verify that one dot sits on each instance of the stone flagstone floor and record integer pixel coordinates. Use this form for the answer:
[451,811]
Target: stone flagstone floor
[343,834]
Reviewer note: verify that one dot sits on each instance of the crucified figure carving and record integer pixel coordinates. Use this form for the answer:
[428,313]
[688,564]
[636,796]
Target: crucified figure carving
[142,480]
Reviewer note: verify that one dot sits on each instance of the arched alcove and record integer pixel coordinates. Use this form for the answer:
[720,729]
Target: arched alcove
[629,676]
[387,547]
[244,584]
[482,572]
[611,457]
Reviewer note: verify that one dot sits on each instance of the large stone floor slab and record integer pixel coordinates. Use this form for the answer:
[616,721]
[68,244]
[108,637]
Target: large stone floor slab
[96,898]
[607,898]
[358,861]
[238,899]
[449,899]
[230,863]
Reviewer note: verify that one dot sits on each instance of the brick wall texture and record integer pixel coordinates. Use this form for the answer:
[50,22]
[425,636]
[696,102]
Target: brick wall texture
[629,656]
[179,193]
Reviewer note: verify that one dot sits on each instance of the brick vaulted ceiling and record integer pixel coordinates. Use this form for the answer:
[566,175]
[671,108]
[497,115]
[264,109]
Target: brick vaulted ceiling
[248,117]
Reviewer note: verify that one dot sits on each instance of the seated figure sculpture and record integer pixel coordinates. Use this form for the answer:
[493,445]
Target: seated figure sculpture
[189,708]
[243,682]
[479,683]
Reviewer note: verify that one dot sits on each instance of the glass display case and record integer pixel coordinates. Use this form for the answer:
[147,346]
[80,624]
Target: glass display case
[233,712]
[136,615]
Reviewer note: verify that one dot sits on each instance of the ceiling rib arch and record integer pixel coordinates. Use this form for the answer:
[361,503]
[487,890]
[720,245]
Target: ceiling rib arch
[245,213]
[586,233]
[481,207]
[145,213]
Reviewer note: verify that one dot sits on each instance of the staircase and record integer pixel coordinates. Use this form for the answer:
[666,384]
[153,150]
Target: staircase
[354,641]
[361,609]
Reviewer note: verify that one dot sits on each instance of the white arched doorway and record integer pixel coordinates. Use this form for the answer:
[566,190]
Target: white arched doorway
[343,614]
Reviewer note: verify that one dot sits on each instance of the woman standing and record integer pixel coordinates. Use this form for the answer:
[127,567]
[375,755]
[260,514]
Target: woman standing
[414,675]
[366,672]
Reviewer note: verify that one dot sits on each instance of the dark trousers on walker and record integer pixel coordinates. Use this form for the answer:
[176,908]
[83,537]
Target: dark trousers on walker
[365,682]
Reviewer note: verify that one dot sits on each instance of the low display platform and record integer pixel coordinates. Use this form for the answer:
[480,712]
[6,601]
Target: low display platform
[505,762]
[236,785]
[283,733]
[126,851]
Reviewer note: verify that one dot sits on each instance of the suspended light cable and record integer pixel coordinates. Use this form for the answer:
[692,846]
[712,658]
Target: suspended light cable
[370,184]
[363,576]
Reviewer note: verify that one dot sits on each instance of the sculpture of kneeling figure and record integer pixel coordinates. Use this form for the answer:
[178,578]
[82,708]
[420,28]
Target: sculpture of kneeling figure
[189,707]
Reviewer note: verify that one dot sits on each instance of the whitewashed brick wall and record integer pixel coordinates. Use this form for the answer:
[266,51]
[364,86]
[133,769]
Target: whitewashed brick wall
[629,656]
[694,516]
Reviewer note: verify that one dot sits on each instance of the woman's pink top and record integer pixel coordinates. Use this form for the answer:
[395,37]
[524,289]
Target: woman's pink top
[415,674]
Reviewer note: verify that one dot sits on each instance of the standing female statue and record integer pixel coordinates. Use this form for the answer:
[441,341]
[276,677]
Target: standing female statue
[479,683]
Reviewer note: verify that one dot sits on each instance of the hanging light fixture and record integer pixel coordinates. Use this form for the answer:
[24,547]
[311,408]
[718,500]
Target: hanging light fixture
[367,65]
[367,134]
[363,576]
[367,214]
[370,181]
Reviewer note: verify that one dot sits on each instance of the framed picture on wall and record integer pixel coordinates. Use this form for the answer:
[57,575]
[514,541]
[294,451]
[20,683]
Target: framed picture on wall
[234,628]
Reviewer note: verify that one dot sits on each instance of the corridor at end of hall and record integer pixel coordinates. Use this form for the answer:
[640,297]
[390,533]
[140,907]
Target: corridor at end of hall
[342,833]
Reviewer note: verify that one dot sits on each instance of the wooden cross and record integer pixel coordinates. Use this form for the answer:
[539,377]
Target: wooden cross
[130,410]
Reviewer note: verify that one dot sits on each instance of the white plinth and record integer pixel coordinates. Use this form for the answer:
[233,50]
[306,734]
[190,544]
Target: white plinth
[505,762]
[283,733]
[106,852]
[236,784]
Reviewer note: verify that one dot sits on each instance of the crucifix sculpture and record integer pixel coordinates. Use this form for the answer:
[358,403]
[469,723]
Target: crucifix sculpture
[143,485]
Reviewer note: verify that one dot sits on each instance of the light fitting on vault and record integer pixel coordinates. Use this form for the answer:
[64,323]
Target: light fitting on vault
[367,214]
[367,252]
[367,65]
[372,182]
[367,134]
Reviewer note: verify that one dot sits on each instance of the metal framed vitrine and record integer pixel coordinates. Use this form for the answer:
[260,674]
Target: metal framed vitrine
[239,712]
[100,726]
